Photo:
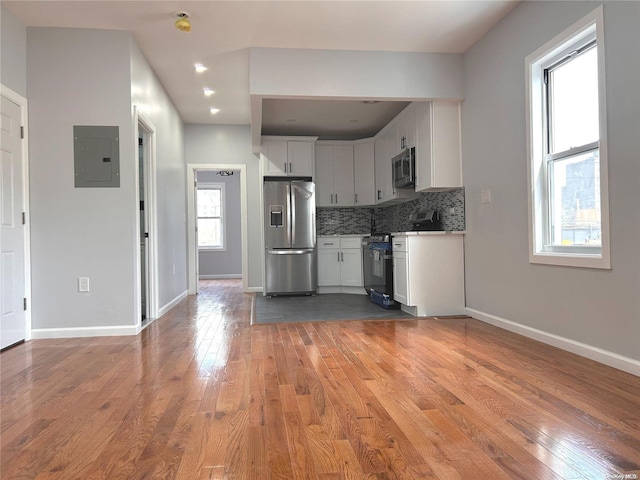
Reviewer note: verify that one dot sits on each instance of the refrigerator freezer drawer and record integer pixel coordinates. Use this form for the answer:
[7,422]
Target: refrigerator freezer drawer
[289,272]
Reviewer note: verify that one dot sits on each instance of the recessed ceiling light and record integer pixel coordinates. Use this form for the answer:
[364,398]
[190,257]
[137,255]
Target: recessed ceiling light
[200,67]
[208,92]
[214,110]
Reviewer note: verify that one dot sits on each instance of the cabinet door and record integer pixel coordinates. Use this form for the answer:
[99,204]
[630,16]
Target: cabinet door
[406,136]
[423,145]
[324,176]
[400,278]
[384,151]
[274,155]
[328,267]
[343,175]
[364,174]
[351,267]
[300,157]
[438,149]
[447,170]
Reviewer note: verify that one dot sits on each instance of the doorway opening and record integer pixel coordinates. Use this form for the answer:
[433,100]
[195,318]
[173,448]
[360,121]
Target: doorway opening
[222,248]
[147,285]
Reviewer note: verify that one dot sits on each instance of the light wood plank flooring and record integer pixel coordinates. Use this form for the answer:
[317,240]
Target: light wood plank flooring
[202,394]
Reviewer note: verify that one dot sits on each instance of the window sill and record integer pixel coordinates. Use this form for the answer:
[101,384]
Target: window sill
[212,249]
[571,260]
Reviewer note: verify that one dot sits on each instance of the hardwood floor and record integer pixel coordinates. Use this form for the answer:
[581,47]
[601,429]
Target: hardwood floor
[202,394]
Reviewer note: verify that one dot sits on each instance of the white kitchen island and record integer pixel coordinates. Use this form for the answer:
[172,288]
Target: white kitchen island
[428,273]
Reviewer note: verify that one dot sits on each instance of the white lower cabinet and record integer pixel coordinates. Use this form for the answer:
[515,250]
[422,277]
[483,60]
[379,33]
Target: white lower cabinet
[340,265]
[428,274]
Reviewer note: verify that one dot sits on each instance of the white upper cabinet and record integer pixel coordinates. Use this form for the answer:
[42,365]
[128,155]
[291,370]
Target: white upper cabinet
[334,175]
[406,129]
[287,157]
[438,145]
[364,174]
[385,150]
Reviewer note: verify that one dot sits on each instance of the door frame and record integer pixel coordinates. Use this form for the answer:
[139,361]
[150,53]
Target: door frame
[192,238]
[144,128]
[24,113]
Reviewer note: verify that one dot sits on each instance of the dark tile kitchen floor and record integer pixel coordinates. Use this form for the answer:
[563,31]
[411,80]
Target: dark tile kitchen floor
[324,307]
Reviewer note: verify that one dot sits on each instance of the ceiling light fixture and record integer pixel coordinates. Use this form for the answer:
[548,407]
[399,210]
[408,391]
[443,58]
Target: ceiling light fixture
[182,23]
[200,68]
[208,91]
[214,110]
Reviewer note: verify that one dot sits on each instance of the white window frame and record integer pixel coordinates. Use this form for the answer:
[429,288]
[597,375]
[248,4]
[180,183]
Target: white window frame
[589,257]
[223,216]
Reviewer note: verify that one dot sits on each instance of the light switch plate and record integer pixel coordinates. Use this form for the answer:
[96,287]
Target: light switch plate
[485,196]
[83,284]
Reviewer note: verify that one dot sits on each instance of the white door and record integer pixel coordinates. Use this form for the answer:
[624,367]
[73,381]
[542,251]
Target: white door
[12,286]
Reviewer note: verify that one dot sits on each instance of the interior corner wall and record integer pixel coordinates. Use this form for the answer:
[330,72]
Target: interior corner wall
[231,144]
[13,52]
[598,308]
[149,96]
[79,77]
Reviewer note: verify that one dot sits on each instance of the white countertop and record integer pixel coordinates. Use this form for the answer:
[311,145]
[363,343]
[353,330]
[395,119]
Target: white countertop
[437,232]
[336,235]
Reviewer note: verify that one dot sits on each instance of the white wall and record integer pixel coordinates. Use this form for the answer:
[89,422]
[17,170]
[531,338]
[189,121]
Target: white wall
[150,97]
[227,262]
[95,77]
[599,308]
[231,144]
[79,77]
[13,56]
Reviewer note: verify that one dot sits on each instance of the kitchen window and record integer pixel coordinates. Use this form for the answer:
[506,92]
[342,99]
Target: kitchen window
[210,208]
[568,200]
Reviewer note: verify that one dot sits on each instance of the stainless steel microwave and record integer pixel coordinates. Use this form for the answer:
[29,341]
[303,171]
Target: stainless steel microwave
[404,168]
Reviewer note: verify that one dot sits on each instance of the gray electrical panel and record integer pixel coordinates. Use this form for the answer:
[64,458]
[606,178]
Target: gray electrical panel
[96,156]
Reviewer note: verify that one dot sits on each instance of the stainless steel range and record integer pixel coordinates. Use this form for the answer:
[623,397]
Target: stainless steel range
[377,262]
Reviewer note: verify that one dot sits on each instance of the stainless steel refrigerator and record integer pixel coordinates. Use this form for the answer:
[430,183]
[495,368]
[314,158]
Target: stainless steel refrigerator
[290,237]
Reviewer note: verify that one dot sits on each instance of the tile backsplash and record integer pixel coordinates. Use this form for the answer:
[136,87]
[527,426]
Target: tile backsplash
[394,218]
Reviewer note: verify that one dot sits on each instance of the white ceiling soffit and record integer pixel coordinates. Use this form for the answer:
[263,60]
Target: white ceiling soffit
[223,31]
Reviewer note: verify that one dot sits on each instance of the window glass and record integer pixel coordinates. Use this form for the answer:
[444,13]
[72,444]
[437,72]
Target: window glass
[575,210]
[210,217]
[573,92]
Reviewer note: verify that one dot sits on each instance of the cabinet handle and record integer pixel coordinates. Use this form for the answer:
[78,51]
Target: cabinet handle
[285,167]
[338,256]
[356,200]
[336,198]
[290,167]
[379,192]
[342,256]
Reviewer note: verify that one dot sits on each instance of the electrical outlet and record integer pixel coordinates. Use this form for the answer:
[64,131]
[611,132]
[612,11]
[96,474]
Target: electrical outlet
[83,284]
[174,268]
[485,196]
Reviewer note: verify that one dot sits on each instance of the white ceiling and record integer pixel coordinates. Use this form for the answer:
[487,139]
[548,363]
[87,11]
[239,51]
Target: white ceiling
[223,31]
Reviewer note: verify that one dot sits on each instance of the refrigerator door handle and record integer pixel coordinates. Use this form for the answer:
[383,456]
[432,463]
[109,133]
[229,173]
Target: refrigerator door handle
[292,214]
[289,252]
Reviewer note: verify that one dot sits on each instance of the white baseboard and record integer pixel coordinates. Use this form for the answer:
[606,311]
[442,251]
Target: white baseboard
[611,359]
[173,303]
[254,289]
[76,332]
[220,276]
